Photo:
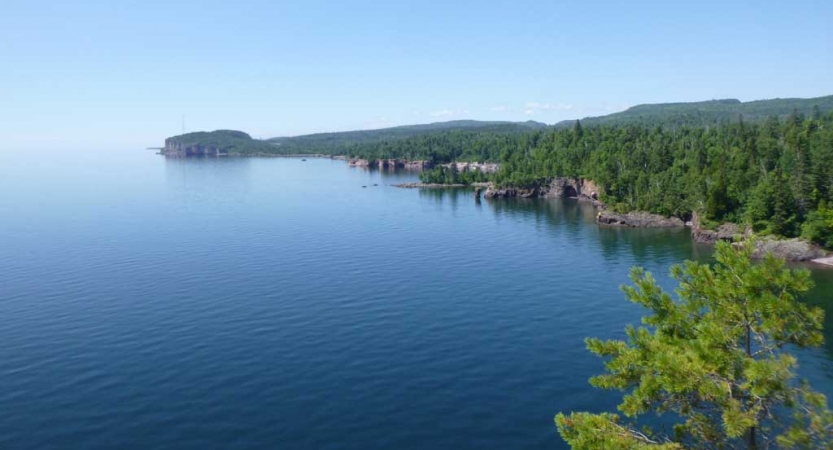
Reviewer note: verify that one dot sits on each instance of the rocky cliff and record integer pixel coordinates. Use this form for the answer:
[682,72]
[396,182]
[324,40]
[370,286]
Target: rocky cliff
[189,149]
[393,163]
[638,220]
[724,232]
[215,143]
[559,187]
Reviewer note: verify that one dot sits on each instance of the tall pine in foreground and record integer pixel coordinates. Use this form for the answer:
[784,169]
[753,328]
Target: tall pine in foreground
[713,361]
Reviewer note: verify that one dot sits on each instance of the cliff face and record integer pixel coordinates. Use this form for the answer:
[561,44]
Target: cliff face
[638,220]
[420,165]
[182,149]
[560,187]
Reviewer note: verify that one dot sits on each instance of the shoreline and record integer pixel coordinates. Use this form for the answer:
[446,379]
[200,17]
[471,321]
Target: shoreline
[792,250]
[441,185]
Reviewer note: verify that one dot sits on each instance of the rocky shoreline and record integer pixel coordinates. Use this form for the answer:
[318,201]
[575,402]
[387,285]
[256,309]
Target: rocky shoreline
[439,185]
[794,249]
[789,249]
[394,163]
[559,187]
[638,220]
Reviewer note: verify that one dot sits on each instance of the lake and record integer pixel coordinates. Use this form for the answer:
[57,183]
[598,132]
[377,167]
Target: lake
[277,303]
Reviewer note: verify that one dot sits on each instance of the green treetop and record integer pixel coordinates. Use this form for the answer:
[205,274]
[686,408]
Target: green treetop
[714,360]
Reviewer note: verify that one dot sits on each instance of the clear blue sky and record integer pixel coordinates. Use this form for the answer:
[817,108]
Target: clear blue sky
[116,74]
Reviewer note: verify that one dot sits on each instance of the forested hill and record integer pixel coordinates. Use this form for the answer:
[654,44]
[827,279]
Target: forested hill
[216,142]
[342,142]
[711,112]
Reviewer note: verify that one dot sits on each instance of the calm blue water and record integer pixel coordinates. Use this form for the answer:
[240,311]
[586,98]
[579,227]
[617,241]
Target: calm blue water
[275,303]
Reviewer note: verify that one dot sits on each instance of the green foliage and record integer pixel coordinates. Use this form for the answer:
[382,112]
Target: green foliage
[710,113]
[819,227]
[387,142]
[713,361]
[227,141]
[772,174]
[451,175]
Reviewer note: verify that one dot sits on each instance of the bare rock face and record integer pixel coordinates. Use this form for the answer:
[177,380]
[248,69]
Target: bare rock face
[472,166]
[794,249]
[358,163]
[181,149]
[417,165]
[511,192]
[789,249]
[639,220]
[559,187]
[389,163]
[724,232]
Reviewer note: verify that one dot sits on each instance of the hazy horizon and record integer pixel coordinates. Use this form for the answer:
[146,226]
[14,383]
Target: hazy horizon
[94,75]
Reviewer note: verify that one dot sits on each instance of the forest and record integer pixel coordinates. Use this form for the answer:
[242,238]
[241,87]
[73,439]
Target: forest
[773,173]
[776,175]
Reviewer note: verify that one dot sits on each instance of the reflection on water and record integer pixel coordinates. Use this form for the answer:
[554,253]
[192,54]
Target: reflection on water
[196,293]
[569,218]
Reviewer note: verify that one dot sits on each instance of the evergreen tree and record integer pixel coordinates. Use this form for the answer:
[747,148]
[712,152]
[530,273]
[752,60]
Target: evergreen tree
[783,210]
[714,360]
[578,132]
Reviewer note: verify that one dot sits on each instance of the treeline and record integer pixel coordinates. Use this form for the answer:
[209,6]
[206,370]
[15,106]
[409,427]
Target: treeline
[382,142]
[227,141]
[776,175]
[444,146]
[708,113]
[452,175]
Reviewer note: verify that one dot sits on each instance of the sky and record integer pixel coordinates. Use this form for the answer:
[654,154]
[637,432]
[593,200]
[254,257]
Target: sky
[122,74]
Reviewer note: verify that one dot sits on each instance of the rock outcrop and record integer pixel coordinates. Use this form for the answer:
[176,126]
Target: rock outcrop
[638,220]
[393,163]
[794,249]
[358,163]
[182,149]
[418,165]
[789,249]
[511,192]
[560,187]
[428,185]
[472,166]
[724,232]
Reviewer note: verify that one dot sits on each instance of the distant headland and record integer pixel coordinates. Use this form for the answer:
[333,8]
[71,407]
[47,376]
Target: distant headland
[724,168]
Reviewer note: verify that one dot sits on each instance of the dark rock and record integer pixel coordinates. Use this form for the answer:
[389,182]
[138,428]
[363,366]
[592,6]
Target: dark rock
[638,220]
[428,185]
[560,187]
[789,249]
[724,232]
[358,163]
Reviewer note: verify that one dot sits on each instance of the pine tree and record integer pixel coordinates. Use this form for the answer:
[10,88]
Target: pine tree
[714,360]
[578,132]
[783,216]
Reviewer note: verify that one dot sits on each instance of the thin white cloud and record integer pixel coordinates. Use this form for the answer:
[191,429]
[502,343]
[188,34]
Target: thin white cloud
[499,108]
[533,108]
[449,113]
[441,113]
